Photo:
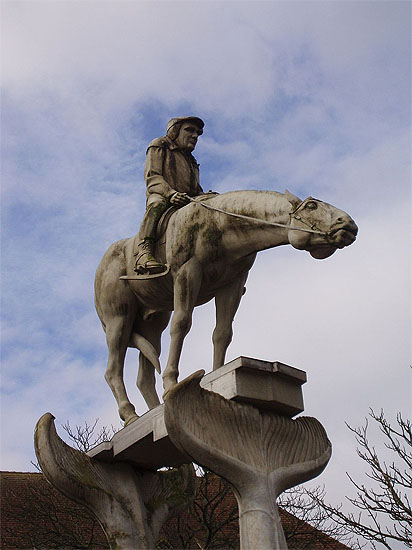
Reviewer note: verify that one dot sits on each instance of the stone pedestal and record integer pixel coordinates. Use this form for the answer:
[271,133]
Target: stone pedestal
[143,443]
[131,504]
[236,421]
[250,439]
[266,385]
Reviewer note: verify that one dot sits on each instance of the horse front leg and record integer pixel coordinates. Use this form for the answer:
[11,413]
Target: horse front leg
[227,301]
[186,289]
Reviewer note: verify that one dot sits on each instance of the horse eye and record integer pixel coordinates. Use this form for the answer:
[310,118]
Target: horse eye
[311,205]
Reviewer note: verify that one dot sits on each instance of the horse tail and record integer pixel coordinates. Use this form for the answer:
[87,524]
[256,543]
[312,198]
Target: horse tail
[144,346]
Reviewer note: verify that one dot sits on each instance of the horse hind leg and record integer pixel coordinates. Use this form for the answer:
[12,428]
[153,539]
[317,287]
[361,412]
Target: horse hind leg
[146,382]
[151,330]
[117,343]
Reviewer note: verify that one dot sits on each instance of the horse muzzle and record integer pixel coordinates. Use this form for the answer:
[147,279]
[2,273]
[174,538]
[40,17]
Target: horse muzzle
[343,234]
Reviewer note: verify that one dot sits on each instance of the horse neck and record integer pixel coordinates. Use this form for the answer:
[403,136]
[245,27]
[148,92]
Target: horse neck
[261,205]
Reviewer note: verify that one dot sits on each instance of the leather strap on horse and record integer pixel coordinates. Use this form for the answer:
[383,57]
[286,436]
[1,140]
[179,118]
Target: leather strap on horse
[257,220]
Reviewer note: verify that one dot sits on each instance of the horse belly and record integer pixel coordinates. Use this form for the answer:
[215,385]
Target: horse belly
[155,294]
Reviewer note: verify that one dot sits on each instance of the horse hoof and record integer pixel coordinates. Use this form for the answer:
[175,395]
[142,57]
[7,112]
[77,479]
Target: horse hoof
[130,420]
[167,386]
[167,390]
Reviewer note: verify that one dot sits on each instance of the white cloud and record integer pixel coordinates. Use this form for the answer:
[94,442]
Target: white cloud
[225,59]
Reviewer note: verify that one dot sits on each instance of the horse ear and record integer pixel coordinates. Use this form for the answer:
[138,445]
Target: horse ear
[293,199]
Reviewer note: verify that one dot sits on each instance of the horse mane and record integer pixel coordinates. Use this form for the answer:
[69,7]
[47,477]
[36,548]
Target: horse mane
[251,201]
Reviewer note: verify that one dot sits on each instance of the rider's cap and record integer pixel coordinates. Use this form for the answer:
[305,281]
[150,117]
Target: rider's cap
[198,121]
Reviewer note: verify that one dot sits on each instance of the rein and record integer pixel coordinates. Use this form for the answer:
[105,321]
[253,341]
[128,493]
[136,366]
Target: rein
[257,220]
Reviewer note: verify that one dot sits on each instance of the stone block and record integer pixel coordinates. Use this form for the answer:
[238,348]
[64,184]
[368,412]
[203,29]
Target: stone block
[266,385]
[144,442]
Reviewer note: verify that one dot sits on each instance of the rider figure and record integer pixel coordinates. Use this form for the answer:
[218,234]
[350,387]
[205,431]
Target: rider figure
[172,177]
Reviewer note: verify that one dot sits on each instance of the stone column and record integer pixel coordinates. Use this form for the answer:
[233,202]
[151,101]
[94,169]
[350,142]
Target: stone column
[259,452]
[131,504]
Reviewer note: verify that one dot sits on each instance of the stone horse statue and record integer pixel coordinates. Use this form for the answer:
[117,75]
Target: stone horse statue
[210,246]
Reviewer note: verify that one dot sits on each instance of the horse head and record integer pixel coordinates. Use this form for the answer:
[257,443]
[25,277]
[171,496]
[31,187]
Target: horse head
[319,227]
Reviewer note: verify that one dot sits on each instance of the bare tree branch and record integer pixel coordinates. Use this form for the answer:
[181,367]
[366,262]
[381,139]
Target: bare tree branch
[85,438]
[384,508]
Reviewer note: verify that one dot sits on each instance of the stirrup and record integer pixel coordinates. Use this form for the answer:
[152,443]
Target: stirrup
[146,275]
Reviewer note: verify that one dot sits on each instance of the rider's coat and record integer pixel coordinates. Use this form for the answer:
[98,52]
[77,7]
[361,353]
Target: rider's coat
[168,169]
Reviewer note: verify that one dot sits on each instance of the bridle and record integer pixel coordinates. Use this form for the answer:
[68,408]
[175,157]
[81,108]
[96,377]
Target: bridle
[313,228]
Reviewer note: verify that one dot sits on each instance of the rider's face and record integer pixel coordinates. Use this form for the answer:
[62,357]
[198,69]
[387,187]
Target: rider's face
[187,137]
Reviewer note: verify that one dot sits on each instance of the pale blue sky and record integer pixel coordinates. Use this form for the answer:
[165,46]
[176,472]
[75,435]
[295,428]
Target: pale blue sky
[309,96]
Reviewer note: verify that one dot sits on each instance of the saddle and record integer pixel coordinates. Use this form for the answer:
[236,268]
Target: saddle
[161,240]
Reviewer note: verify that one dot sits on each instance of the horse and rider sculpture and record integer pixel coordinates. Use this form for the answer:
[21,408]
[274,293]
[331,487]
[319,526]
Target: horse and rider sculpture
[208,247]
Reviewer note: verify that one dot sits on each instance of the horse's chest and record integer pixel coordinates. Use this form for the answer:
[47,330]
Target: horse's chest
[218,275]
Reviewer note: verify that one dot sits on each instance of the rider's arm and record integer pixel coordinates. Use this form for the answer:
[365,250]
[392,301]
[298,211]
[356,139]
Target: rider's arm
[153,171]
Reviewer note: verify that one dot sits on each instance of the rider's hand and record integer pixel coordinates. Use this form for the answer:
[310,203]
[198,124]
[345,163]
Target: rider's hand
[179,199]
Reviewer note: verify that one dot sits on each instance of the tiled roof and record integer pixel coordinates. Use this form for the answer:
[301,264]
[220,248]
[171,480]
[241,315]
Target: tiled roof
[214,515]
[35,515]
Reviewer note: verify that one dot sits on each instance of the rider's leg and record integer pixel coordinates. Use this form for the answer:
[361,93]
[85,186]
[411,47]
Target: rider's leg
[145,260]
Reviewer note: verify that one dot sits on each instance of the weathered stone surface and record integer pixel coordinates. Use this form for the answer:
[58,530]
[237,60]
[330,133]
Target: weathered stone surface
[210,247]
[243,435]
[144,443]
[266,385]
[130,504]
[260,453]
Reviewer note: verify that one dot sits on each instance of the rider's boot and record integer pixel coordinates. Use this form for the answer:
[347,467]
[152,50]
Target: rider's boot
[146,263]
